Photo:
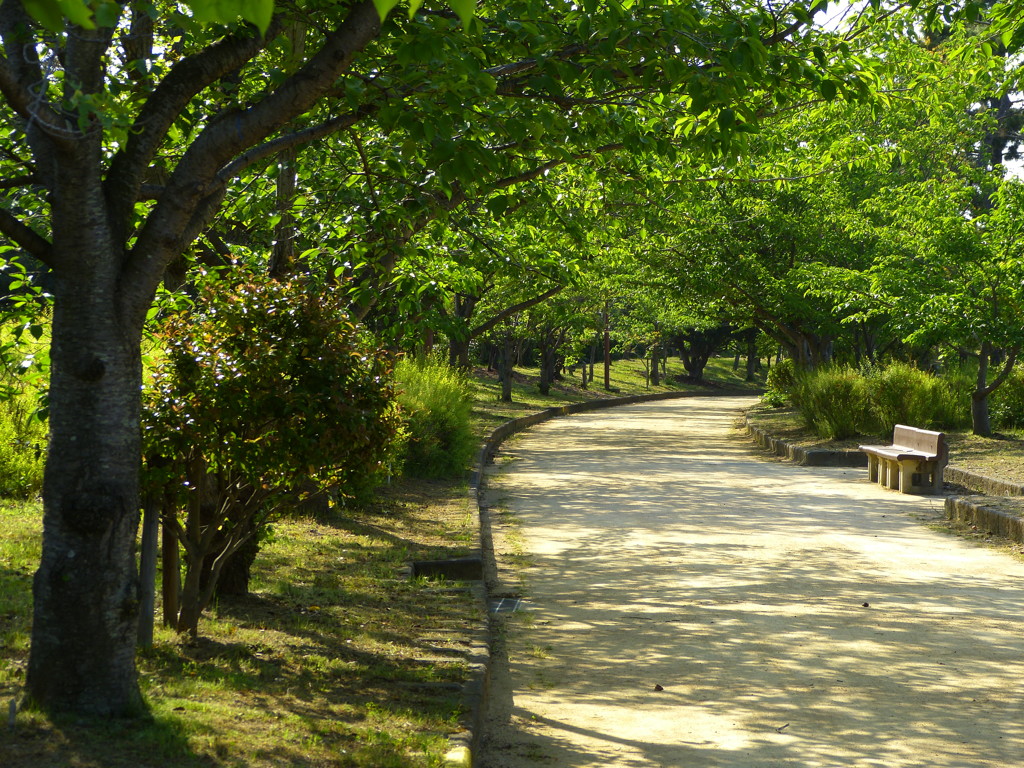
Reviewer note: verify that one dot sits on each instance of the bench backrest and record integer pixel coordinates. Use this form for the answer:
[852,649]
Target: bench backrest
[922,440]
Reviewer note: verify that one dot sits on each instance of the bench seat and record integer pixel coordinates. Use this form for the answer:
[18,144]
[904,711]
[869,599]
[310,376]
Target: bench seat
[913,463]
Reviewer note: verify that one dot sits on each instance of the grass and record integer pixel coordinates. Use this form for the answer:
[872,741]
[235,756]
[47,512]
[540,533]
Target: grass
[334,659]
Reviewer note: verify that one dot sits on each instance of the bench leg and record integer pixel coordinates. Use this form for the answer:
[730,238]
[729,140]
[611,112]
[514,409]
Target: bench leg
[906,477]
[872,468]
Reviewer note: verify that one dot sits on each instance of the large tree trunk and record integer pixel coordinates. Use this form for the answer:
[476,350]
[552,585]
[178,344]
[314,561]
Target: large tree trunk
[458,353]
[87,576]
[980,421]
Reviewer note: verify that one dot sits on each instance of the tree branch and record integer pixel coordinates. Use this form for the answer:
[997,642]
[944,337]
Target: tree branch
[24,86]
[24,236]
[290,141]
[551,165]
[509,311]
[186,79]
[18,181]
[1011,361]
[198,172]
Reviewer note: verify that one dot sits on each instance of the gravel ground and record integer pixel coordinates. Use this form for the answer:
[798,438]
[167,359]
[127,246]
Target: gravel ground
[688,603]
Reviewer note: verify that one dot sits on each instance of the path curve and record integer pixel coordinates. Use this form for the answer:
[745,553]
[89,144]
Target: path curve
[791,616]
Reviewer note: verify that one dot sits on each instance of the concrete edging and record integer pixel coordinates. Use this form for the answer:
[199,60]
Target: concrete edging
[996,521]
[808,457]
[982,484]
[476,689]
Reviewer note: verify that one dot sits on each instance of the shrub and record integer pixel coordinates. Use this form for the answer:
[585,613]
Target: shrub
[780,384]
[832,401]
[24,361]
[953,398]
[436,403]
[22,447]
[901,394]
[266,394]
[1007,402]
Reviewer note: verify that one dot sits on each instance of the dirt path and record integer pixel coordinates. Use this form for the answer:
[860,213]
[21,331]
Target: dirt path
[790,616]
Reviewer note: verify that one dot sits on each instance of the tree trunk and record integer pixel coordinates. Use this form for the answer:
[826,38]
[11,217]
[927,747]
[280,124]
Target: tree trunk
[752,358]
[86,612]
[546,365]
[282,257]
[171,577]
[980,422]
[237,570]
[505,369]
[607,354]
[458,353]
[147,572]
[655,370]
[459,340]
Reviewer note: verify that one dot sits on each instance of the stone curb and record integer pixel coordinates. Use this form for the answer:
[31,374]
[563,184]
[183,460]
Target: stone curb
[476,690]
[808,457]
[970,510]
[974,511]
[985,485]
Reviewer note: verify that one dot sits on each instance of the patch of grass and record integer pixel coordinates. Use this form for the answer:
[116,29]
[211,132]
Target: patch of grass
[334,659]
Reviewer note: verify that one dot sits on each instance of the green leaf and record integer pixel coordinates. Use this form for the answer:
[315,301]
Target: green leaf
[108,14]
[465,9]
[47,12]
[498,205]
[259,12]
[828,89]
[384,7]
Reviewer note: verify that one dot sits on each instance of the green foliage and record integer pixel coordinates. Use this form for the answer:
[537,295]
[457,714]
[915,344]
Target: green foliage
[1007,403]
[953,408]
[780,384]
[267,394]
[270,382]
[435,401]
[53,14]
[902,394]
[839,401]
[23,357]
[22,447]
[832,400]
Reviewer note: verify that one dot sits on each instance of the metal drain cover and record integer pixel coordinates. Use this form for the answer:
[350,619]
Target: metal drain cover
[505,604]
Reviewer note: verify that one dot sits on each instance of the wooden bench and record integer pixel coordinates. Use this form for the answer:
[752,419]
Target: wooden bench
[914,461]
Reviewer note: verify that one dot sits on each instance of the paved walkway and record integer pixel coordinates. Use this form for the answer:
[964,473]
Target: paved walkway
[692,603]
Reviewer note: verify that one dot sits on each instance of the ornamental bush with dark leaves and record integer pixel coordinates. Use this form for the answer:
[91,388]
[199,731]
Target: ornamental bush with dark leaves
[265,393]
